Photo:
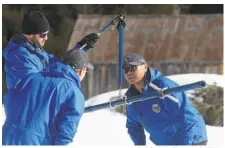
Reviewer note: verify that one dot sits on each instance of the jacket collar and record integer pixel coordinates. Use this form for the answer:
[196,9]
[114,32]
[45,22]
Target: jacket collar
[65,71]
[150,76]
[22,41]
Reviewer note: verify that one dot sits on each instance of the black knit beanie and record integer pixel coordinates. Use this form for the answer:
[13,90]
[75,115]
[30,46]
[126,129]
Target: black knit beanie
[34,23]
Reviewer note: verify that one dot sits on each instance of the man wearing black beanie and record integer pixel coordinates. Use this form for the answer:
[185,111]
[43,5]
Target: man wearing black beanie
[35,28]
[24,53]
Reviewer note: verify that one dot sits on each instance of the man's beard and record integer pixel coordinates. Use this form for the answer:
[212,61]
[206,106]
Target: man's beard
[38,44]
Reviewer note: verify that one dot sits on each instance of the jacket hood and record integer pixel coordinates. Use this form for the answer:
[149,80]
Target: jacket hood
[64,71]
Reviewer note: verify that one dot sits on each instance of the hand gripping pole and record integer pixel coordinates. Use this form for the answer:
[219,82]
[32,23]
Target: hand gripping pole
[113,22]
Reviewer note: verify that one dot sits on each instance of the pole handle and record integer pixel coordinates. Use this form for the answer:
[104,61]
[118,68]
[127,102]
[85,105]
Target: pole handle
[172,98]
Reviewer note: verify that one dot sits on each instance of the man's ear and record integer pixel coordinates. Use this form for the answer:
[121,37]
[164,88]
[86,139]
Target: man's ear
[146,67]
[80,72]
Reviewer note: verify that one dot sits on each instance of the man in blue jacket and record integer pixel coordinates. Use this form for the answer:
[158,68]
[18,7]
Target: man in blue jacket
[170,120]
[46,107]
[24,53]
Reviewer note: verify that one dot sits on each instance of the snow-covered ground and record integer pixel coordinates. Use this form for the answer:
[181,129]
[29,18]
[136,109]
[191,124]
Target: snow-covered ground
[191,78]
[107,127]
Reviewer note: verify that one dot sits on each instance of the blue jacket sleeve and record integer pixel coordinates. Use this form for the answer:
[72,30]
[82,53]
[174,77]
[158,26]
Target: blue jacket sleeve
[17,67]
[69,117]
[135,130]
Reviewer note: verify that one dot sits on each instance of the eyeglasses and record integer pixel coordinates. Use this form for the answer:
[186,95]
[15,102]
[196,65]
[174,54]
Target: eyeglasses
[129,68]
[43,35]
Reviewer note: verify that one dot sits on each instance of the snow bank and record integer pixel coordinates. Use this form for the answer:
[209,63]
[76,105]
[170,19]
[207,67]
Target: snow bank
[106,127]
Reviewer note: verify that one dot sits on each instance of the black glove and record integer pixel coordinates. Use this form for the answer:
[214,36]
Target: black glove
[122,23]
[90,40]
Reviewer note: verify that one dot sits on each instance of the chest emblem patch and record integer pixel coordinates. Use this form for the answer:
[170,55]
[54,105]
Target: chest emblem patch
[156,108]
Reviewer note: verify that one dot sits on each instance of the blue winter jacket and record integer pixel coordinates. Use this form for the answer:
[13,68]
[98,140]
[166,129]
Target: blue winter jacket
[44,109]
[22,59]
[167,122]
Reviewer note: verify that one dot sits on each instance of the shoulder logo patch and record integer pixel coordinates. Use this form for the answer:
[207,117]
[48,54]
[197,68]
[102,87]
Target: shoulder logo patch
[156,108]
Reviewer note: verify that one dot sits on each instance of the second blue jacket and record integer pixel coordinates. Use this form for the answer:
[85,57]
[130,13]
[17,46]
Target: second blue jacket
[44,109]
[167,122]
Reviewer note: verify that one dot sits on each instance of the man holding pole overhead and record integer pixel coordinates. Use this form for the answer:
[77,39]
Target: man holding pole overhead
[24,53]
[170,119]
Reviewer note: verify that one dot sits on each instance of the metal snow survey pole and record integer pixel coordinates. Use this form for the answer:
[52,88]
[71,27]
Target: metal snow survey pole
[146,96]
